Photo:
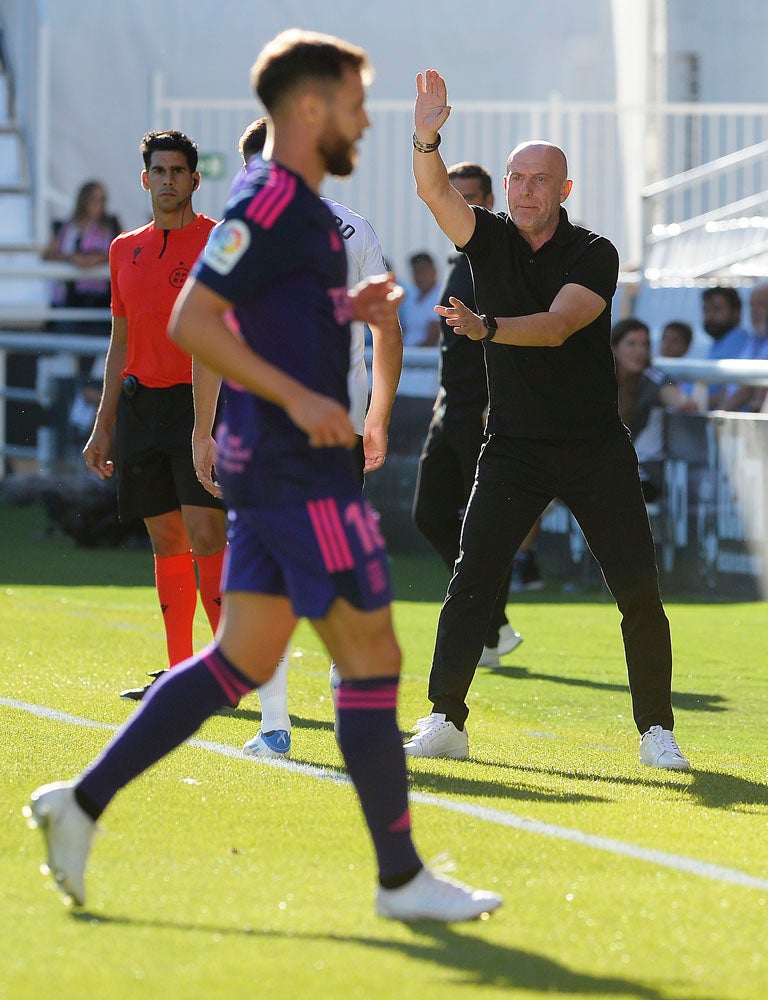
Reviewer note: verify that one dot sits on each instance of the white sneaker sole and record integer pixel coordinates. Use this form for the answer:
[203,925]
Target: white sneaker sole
[265,753]
[431,897]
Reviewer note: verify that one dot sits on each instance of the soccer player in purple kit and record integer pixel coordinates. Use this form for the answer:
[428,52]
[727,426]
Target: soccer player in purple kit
[303,542]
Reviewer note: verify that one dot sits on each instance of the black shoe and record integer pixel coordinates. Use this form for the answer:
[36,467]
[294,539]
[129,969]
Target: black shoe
[136,694]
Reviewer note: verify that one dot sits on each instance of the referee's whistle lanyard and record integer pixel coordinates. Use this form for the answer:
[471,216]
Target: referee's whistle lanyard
[130,382]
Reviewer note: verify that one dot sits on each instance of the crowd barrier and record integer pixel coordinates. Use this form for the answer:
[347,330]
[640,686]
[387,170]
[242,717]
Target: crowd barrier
[710,522]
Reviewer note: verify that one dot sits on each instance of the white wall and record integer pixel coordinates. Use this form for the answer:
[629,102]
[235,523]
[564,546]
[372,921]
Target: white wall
[105,51]
[730,38]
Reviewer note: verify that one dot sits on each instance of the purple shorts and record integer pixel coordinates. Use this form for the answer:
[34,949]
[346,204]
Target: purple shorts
[311,553]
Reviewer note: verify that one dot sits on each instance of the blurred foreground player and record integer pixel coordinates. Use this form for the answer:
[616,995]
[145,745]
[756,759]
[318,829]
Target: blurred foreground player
[303,542]
[365,259]
[144,420]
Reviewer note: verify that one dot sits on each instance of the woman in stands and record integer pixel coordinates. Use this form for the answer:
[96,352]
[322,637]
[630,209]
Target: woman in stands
[84,240]
[644,393]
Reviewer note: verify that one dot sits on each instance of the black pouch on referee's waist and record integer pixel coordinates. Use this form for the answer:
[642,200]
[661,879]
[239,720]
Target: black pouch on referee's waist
[130,386]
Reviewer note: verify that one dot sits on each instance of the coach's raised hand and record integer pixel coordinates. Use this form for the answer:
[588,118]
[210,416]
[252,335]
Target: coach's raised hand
[431,110]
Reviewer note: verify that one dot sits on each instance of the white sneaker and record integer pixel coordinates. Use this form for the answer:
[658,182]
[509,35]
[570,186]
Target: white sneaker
[68,833]
[276,743]
[430,896]
[334,679]
[508,641]
[435,736]
[658,748]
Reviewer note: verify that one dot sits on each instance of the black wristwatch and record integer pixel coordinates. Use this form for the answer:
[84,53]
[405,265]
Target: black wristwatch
[491,326]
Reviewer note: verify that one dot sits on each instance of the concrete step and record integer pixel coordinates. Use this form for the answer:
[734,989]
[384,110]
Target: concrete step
[5,99]
[722,249]
[22,291]
[12,173]
[15,218]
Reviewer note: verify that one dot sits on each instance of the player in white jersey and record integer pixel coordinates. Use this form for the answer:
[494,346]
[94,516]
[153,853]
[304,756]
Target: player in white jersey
[370,421]
[365,259]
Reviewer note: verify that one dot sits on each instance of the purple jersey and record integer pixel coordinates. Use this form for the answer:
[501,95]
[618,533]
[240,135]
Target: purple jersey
[278,258]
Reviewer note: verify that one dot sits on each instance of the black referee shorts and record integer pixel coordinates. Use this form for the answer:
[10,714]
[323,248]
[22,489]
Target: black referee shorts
[153,452]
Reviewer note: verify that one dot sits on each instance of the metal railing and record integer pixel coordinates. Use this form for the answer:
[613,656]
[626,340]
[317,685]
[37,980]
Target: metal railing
[43,452]
[424,360]
[607,144]
[728,193]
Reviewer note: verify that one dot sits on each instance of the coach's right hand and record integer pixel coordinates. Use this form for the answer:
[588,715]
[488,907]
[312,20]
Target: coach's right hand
[431,110]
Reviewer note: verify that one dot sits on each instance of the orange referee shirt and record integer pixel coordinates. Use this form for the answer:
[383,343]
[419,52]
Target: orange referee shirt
[148,268]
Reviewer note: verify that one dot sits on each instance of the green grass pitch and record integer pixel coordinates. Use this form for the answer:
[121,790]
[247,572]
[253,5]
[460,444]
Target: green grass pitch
[218,877]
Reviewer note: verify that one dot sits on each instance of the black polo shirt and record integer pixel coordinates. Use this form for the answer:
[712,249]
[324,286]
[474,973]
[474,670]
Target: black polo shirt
[463,381]
[546,392]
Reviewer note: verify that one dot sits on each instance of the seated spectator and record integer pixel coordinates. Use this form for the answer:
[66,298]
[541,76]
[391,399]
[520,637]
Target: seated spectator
[421,327]
[721,319]
[676,339]
[644,391]
[748,398]
[84,241]
[721,308]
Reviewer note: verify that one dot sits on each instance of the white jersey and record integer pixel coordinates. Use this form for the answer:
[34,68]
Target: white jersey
[364,259]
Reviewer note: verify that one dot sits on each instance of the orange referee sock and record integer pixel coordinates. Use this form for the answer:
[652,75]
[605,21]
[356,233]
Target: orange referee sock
[209,577]
[177,591]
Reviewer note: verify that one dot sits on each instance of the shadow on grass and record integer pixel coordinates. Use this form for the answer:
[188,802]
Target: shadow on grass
[728,791]
[712,789]
[254,715]
[450,785]
[506,788]
[472,960]
[687,700]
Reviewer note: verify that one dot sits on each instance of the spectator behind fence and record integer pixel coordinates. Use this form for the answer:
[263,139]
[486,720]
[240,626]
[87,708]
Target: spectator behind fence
[84,241]
[748,398]
[421,327]
[676,338]
[643,393]
[721,319]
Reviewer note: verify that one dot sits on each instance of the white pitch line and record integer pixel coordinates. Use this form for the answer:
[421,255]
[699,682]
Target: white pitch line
[677,862]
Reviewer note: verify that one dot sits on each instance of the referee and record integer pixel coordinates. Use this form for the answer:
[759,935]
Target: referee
[146,413]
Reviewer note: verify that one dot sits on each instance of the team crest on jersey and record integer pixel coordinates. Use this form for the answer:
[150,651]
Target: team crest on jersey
[227,244]
[178,275]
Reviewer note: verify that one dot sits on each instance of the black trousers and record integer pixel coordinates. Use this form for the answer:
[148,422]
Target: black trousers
[443,486]
[516,480]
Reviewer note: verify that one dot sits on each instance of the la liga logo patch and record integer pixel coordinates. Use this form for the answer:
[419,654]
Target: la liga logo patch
[227,244]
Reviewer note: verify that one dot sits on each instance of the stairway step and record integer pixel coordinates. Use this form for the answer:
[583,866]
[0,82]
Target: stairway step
[11,160]
[15,218]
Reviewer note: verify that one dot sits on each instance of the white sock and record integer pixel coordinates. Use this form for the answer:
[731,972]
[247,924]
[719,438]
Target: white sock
[274,697]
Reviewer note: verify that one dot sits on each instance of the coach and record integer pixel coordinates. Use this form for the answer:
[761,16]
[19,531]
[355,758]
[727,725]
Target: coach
[544,288]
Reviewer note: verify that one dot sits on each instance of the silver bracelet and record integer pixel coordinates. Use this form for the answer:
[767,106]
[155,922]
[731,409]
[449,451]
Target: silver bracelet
[426,147]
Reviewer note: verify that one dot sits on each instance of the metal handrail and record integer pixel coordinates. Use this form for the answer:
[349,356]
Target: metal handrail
[706,170]
[716,215]
[737,371]
[52,270]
